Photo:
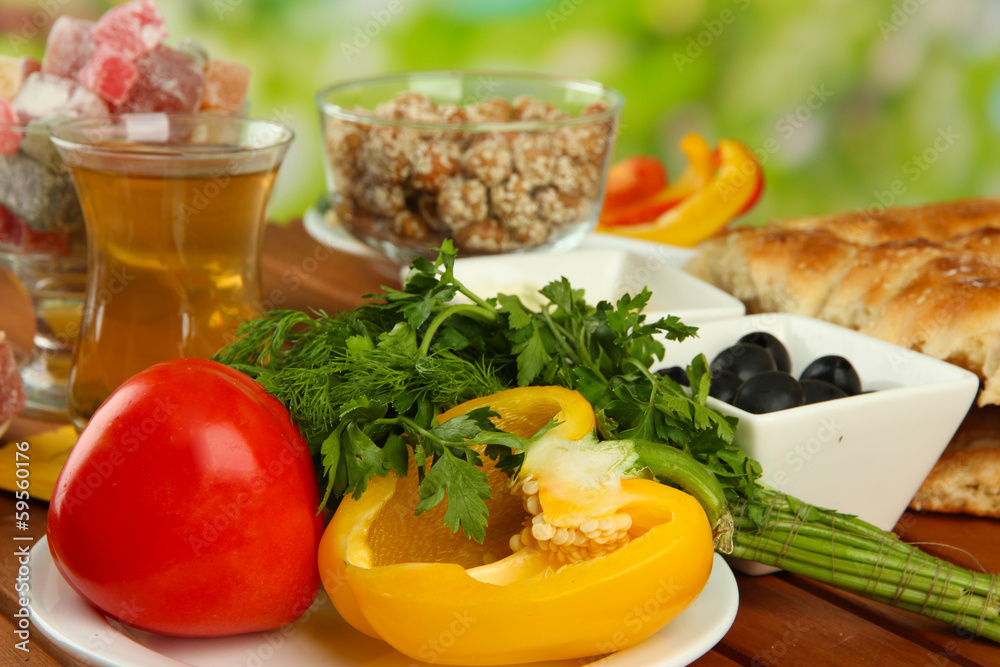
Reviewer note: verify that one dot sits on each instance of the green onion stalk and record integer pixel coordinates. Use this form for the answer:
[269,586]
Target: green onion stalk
[838,549]
[853,555]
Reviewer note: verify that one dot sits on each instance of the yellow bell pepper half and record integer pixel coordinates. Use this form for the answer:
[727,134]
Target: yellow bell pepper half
[439,597]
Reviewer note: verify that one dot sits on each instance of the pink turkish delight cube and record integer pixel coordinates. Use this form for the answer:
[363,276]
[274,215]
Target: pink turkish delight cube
[109,74]
[13,72]
[44,95]
[132,29]
[10,137]
[69,47]
[168,81]
[226,85]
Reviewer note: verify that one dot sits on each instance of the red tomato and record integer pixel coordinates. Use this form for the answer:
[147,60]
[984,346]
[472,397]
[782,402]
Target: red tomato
[188,506]
[633,179]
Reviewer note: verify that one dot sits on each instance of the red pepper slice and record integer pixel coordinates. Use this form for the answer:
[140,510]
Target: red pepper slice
[633,179]
[701,167]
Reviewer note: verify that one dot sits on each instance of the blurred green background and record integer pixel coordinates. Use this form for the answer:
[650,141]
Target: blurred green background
[850,104]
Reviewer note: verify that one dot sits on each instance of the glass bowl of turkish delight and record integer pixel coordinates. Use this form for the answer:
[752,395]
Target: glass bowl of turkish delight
[497,162]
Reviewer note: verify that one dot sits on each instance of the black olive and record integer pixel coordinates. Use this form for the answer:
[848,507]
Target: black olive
[777,349]
[817,391]
[677,374]
[769,391]
[837,371]
[724,386]
[743,359]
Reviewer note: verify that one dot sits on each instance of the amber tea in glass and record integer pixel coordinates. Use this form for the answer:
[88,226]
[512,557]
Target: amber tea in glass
[173,206]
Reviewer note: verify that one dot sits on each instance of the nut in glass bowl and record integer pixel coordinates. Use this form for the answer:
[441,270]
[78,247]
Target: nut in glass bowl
[497,162]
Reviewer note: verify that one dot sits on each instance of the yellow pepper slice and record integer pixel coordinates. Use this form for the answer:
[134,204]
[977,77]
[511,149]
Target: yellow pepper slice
[700,170]
[47,452]
[702,163]
[527,409]
[575,562]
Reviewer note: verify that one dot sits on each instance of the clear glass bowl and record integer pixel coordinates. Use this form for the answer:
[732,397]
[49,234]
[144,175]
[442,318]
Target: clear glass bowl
[498,162]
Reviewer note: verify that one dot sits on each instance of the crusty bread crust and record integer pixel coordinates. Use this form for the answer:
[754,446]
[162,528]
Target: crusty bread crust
[966,479]
[934,222]
[878,273]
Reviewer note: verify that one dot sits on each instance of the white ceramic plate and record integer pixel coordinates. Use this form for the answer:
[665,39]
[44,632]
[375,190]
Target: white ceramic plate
[321,637]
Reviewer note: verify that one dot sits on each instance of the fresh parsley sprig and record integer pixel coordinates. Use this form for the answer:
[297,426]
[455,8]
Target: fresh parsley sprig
[445,457]
[365,385]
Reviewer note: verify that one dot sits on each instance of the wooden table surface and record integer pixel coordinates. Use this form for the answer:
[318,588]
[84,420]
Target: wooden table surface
[783,619]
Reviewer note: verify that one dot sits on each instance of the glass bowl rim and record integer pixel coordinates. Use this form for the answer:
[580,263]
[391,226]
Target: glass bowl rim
[614,98]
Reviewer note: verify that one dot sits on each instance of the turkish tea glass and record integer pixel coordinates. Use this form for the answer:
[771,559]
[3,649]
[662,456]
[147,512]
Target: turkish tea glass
[174,206]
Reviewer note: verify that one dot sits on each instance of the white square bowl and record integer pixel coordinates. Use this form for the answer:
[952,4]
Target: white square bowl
[605,274]
[866,454]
